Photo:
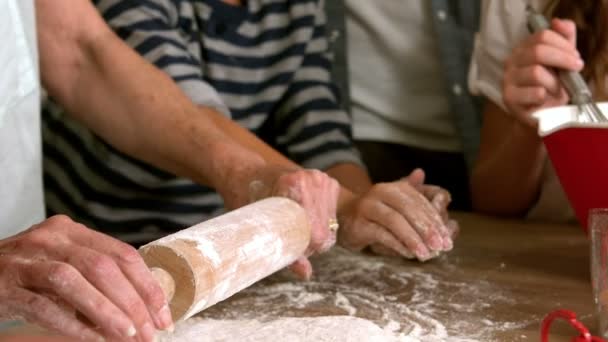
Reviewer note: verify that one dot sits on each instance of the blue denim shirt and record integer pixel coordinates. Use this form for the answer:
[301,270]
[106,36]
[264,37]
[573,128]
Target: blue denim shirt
[455,23]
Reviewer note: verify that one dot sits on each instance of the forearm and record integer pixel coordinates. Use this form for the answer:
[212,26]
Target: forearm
[352,178]
[507,176]
[132,105]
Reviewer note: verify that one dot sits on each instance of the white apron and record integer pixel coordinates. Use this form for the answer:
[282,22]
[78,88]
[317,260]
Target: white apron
[21,193]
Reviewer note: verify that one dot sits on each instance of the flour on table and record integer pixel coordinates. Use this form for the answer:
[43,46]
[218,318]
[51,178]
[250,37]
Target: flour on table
[293,329]
[407,301]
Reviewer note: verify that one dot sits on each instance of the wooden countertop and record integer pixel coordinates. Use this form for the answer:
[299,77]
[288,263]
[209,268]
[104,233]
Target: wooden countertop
[497,284]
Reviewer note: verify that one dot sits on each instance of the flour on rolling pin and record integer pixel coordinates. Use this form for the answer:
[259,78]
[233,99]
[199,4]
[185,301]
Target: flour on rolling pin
[211,261]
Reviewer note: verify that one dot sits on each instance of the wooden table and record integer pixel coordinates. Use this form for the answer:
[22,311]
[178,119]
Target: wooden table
[497,284]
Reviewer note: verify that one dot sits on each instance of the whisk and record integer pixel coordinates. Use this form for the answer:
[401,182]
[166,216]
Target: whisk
[573,81]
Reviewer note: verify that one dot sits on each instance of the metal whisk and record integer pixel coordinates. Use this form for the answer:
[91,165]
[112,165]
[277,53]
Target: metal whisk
[573,81]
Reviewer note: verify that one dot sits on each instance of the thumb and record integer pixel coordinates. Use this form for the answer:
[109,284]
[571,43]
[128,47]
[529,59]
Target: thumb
[416,177]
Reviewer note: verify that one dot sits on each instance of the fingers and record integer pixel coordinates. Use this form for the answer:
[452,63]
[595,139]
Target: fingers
[526,95]
[65,281]
[419,212]
[302,268]
[523,101]
[566,28]
[318,195]
[39,310]
[383,215]
[537,76]
[146,290]
[416,177]
[103,272]
[105,281]
[550,49]
[388,242]
[439,197]
[529,81]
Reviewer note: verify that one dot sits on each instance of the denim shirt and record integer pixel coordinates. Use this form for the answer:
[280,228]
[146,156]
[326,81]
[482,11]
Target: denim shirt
[455,23]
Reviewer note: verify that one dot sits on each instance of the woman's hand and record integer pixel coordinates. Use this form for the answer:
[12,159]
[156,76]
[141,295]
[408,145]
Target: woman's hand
[316,192]
[75,281]
[530,81]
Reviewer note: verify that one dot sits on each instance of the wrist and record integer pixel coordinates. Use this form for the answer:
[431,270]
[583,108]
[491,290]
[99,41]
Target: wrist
[234,169]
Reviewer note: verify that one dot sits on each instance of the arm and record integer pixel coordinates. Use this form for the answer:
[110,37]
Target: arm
[140,111]
[314,131]
[59,270]
[188,131]
[507,177]
[156,123]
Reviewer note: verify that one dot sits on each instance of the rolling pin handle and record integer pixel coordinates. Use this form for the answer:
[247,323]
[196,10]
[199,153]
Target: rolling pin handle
[166,282]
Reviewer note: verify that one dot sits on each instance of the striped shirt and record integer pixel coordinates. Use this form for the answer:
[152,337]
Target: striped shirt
[267,64]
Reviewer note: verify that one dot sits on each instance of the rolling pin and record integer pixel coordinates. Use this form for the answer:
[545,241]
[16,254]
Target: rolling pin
[209,262]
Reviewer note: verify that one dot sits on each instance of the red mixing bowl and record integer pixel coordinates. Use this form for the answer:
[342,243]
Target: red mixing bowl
[579,153]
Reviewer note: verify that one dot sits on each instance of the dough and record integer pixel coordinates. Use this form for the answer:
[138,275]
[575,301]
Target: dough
[296,329]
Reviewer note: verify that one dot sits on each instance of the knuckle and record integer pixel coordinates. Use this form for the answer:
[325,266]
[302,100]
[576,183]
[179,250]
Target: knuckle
[293,178]
[61,274]
[128,254]
[317,174]
[35,238]
[102,265]
[543,36]
[60,220]
[317,177]
[380,188]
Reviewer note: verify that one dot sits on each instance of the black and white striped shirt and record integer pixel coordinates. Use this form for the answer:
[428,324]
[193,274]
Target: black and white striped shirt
[266,64]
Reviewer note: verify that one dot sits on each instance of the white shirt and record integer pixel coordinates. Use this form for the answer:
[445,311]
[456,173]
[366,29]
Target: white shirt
[503,26]
[21,192]
[398,91]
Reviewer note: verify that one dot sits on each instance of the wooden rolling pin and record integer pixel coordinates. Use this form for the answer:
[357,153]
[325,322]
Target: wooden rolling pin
[209,262]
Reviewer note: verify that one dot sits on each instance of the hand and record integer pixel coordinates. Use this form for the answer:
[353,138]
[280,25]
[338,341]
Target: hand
[399,217]
[80,283]
[439,198]
[317,193]
[529,81]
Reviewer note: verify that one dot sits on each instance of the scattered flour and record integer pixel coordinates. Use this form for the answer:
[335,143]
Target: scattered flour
[393,301]
[344,304]
[303,329]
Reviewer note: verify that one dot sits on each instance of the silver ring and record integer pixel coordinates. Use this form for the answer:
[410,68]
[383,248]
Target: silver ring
[333,225]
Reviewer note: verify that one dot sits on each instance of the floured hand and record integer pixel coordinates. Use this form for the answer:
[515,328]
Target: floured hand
[316,192]
[59,270]
[404,217]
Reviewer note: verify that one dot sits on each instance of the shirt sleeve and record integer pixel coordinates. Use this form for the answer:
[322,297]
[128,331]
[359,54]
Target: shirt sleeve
[311,127]
[151,27]
[503,26]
